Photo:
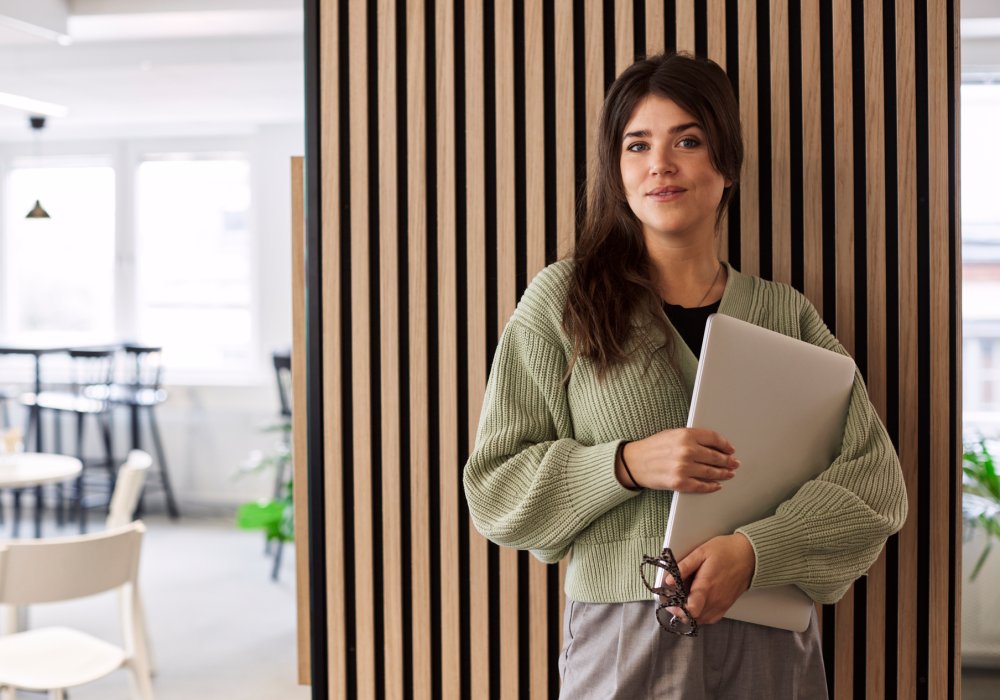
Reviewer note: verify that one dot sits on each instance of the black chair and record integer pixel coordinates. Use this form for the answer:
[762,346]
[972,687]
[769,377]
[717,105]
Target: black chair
[282,360]
[141,393]
[86,394]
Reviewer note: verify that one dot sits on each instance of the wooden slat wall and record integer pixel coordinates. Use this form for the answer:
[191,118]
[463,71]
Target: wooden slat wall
[453,142]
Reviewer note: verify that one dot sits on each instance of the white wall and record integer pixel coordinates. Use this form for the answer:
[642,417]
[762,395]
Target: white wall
[210,429]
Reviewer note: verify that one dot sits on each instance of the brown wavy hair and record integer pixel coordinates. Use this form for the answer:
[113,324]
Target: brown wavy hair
[612,275]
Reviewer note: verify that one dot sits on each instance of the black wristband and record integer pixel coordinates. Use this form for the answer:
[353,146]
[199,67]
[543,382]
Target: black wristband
[636,486]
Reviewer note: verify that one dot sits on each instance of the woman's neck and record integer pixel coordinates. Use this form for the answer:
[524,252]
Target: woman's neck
[688,276]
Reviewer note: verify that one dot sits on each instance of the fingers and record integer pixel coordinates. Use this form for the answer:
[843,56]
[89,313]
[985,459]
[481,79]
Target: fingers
[710,438]
[714,458]
[691,563]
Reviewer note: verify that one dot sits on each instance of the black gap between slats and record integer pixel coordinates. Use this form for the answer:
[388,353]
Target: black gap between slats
[433,405]
[462,349]
[733,71]
[490,176]
[669,26]
[953,350]
[764,205]
[346,378]
[608,32]
[701,28]
[318,604]
[579,115]
[549,130]
[375,342]
[795,142]
[403,321]
[638,29]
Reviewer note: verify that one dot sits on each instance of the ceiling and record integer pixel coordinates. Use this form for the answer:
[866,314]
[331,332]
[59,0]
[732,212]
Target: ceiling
[152,67]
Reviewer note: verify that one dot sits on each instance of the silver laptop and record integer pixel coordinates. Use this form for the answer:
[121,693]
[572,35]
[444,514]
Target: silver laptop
[782,403]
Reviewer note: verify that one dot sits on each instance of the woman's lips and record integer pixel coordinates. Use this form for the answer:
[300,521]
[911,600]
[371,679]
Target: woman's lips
[666,194]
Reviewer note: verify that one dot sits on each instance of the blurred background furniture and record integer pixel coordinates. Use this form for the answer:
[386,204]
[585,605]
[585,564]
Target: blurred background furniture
[56,658]
[85,394]
[26,469]
[282,360]
[140,393]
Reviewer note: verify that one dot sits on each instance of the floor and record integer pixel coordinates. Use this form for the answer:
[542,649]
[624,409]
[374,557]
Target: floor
[219,626]
[980,684]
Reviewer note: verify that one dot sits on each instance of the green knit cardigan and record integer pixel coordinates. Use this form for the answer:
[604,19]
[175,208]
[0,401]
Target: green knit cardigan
[542,474]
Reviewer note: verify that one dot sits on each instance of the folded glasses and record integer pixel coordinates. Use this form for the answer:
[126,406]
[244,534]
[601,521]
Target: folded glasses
[662,576]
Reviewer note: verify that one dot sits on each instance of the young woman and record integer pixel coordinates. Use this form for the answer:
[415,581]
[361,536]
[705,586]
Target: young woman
[582,441]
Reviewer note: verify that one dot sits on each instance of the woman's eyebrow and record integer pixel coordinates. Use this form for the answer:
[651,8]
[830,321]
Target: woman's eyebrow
[646,133]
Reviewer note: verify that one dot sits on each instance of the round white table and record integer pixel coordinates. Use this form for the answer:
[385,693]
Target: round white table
[23,469]
[20,470]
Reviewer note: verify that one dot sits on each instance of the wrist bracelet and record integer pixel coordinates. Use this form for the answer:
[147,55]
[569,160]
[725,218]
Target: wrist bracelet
[636,486]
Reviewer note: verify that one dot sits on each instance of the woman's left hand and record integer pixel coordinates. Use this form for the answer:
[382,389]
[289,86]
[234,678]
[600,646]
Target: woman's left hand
[717,573]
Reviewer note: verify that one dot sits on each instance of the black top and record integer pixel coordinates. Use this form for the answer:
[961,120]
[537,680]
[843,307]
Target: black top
[690,323]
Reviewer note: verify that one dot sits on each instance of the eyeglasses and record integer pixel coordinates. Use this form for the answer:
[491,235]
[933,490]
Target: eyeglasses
[672,613]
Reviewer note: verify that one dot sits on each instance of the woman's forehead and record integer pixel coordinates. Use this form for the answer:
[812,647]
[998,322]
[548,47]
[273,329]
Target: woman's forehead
[654,114]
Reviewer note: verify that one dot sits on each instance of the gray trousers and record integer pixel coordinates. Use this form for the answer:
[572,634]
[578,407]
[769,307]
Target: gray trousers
[617,650]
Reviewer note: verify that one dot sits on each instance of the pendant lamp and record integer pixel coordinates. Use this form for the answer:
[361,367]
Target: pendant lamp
[37,211]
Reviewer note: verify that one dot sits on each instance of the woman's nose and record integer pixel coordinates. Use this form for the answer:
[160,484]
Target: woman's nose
[661,163]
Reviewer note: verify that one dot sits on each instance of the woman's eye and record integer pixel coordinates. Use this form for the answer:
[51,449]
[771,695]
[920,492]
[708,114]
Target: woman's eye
[688,142]
[636,147]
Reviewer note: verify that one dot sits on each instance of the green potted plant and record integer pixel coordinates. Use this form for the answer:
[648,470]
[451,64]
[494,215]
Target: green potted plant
[272,515]
[981,496]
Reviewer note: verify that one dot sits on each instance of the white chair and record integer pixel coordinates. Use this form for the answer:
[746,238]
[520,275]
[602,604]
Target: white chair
[45,571]
[128,488]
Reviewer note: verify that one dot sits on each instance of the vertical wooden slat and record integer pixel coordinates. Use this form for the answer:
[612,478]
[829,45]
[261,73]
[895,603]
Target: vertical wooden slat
[364,603]
[908,381]
[594,76]
[844,167]
[940,350]
[392,550]
[447,304]
[654,27]
[332,385]
[717,52]
[906,145]
[750,188]
[540,655]
[954,43]
[565,131]
[506,300]
[844,216]
[299,446]
[685,25]
[875,236]
[420,556]
[781,234]
[812,155]
[478,591]
[624,35]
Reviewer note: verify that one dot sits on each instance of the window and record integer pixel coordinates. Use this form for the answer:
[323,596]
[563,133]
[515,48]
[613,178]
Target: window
[59,272]
[980,258]
[193,255]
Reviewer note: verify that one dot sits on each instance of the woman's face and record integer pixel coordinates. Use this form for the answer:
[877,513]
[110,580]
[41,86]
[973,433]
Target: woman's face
[670,182]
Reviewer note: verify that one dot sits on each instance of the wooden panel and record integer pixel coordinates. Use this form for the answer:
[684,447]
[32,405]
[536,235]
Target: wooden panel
[685,25]
[749,261]
[364,570]
[717,52]
[876,258]
[812,155]
[654,27]
[447,360]
[906,145]
[479,599]
[940,344]
[781,234]
[436,332]
[416,161]
[332,462]
[299,446]
[506,299]
[392,518]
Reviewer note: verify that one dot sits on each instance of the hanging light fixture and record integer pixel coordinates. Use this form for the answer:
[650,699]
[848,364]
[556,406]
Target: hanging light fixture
[37,211]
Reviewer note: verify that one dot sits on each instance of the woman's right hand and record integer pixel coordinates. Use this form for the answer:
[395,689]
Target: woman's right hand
[688,460]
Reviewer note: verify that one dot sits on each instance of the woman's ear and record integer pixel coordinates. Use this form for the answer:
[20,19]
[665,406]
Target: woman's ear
[729,183]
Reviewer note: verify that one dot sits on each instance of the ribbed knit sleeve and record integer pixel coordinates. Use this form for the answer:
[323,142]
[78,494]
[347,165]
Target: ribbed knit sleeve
[832,530]
[528,483]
